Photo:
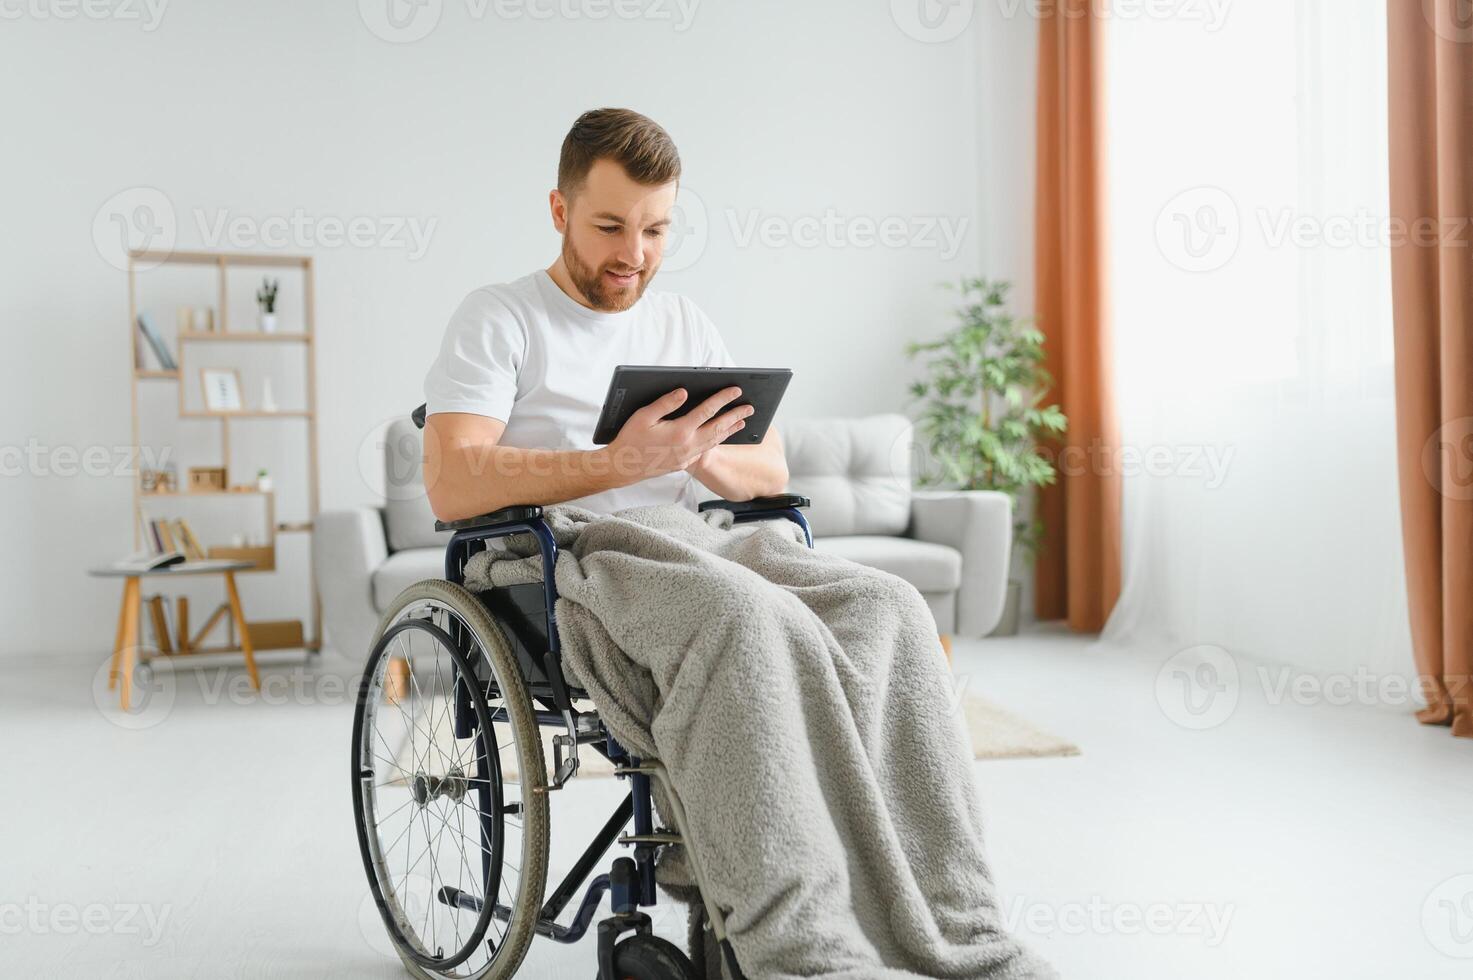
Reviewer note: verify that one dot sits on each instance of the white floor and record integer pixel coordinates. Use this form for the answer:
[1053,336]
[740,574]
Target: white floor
[216,840]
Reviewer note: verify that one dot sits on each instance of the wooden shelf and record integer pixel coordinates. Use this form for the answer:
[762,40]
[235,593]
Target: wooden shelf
[292,338]
[218,258]
[207,493]
[220,265]
[246,415]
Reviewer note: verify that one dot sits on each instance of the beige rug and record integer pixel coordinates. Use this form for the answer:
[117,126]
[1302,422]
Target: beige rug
[996,734]
[1000,734]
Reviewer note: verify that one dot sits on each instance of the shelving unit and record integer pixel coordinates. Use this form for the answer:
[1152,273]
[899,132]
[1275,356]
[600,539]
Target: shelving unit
[222,263]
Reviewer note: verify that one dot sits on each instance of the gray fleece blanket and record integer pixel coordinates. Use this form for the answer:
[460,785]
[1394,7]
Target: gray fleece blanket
[800,703]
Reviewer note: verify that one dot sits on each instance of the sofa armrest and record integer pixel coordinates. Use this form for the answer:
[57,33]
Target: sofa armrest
[350,545]
[979,524]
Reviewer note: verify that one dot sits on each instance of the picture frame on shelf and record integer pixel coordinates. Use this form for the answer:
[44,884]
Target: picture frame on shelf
[221,389]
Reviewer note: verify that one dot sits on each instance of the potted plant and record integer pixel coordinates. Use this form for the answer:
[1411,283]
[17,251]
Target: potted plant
[984,413]
[266,300]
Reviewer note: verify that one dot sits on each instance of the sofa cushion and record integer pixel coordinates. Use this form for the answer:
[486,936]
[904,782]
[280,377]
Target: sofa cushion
[403,569]
[408,520]
[929,567]
[856,472]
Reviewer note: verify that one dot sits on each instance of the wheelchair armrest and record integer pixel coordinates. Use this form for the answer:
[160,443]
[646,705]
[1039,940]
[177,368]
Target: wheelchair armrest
[782,501]
[506,515]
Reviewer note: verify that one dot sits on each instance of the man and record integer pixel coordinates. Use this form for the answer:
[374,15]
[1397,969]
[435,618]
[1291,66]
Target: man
[515,393]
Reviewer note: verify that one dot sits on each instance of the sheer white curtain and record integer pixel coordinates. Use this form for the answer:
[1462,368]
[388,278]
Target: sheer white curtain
[1251,310]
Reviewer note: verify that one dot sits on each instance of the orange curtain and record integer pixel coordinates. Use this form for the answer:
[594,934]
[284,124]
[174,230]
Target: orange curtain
[1077,577]
[1431,110]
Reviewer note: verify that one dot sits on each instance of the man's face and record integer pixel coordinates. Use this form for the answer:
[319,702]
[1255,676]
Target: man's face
[613,234]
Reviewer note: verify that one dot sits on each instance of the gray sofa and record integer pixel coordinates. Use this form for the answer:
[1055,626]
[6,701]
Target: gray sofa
[953,546]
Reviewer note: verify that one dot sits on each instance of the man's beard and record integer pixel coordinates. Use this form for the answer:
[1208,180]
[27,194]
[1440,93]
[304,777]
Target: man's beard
[595,288]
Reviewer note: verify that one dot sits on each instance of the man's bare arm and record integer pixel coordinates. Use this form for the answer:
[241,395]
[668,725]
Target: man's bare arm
[467,473]
[744,472]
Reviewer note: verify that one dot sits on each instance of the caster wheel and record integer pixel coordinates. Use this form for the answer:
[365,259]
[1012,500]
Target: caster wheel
[143,677]
[650,958]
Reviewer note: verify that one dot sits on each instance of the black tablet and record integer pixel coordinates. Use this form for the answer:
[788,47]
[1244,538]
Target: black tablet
[636,385]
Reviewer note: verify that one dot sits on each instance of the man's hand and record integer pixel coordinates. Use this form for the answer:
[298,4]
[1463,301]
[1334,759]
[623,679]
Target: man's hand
[648,445]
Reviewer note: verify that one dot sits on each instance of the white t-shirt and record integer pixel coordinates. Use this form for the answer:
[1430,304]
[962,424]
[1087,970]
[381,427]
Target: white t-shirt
[527,353]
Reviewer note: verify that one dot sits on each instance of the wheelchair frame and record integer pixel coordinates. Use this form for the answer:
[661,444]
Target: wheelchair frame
[528,614]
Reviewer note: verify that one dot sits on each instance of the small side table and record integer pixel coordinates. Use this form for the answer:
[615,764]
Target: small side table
[125,646]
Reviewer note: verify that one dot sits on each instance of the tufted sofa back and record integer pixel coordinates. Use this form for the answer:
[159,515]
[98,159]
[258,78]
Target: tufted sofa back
[855,470]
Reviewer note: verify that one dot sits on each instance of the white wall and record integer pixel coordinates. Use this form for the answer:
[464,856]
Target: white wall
[279,109]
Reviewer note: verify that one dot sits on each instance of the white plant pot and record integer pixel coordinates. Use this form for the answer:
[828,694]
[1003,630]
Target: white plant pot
[268,322]
[1012,610]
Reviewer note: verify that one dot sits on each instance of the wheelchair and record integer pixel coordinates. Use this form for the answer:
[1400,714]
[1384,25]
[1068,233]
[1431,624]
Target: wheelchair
[454,823]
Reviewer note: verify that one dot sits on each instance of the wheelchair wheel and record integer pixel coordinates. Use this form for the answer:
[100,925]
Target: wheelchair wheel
[651,958]
[455,852]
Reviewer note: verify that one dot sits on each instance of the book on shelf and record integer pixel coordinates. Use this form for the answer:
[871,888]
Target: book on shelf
[163,538]
[188,543]
[160,349]
[161,619]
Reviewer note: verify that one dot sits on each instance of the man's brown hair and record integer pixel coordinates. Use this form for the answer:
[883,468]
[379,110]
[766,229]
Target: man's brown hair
[635,142]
